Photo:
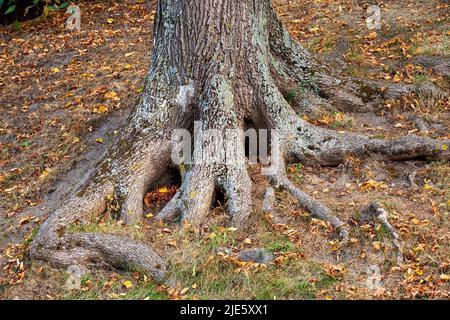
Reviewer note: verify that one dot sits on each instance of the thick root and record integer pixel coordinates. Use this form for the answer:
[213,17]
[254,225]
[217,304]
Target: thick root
[237,186]
[225,89]
[295,67]
[110,180]
[334,147]
[56,244]
[196,196]
[94,250]
[193,201]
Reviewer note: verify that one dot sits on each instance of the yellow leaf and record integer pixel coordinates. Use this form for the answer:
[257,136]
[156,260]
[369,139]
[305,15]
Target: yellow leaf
[111,95]
[88,75]
[212,235]
[397,78]
[99,140]
[149,216]
[127,284]
[110,20]
[444,147]
[444,277]
[55,70]
[172,243]
[372,185]
[183,292]
[248,241]
[45,173]
[163,190]
[102,109]
[372,35]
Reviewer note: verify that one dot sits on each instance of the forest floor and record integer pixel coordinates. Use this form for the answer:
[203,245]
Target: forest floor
[63,96]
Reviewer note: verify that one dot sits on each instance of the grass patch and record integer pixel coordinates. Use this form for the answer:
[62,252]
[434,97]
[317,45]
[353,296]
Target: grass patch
[198,266]
[105,224]
[101,287]
[276,242]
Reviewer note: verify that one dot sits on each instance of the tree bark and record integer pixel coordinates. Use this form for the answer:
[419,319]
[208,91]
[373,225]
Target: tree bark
[224,63]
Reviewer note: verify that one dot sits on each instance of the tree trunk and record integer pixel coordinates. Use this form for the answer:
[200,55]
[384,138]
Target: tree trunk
[224,63]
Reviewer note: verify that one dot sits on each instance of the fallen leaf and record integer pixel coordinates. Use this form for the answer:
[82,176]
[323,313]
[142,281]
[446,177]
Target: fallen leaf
[127,284]
[100,109]
[163,190]
[372,35]
[377,245]
[111,95]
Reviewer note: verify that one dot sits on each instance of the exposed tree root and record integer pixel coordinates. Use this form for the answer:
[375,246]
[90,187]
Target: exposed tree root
[295,67]
[334,147]
[222,82]
[313,206]
[56,243]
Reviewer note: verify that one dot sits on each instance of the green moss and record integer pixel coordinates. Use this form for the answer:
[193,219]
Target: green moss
[290,95]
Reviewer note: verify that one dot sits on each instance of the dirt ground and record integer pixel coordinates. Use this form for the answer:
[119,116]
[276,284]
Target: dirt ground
[64,95]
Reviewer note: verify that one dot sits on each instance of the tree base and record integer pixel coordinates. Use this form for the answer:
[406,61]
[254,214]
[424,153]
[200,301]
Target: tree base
[226,79]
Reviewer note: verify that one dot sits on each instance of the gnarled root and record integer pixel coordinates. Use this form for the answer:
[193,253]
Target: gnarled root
[313,206]
[295,67]
[136,161]
[57,244]
[225,84]
[333,147]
